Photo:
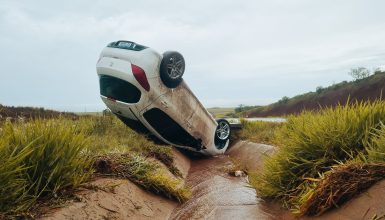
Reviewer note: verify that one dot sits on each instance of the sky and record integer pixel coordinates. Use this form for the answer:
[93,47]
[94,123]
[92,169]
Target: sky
[236,52]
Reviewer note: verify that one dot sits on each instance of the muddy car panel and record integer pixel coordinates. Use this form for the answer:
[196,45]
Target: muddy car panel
[174,115]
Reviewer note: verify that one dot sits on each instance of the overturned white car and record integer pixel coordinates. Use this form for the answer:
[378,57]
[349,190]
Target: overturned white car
[146,91]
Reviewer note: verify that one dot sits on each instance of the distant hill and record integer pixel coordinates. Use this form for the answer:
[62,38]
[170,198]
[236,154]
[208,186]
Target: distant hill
[14,113]
[370,88]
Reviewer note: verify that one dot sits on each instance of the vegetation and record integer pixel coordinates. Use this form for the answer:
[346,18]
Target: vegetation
[359,73]
[365,87]
[259,131]
[40,159]
[314,147]
[45,158]
[147,173]
[21,113]
[339,185]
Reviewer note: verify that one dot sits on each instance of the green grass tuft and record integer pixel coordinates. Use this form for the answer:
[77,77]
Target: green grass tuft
[146,173]
[376,148]
[312,142]
[259,131]
[41,157]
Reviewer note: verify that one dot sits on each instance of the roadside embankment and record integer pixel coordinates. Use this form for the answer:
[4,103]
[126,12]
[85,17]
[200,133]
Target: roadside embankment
[116,198]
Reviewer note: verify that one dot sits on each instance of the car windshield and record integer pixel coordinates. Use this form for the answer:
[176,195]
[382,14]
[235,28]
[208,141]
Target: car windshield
[128,45]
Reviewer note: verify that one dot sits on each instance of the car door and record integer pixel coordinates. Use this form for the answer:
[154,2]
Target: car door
[170,115]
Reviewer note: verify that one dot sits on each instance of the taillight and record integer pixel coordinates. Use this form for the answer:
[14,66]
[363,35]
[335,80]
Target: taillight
[140,76]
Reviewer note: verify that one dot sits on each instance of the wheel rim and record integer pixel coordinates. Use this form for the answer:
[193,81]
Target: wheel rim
[223,130]
[175,67]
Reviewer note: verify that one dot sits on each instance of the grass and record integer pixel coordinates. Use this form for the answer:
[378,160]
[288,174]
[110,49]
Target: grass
[259,131]
[40,159]
[44,157]
[339,185]
[312,143]
[144,172]
[376,148]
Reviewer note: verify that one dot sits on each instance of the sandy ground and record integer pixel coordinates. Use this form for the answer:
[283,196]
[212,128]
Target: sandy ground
[119,199]
[216,195]
[124,201]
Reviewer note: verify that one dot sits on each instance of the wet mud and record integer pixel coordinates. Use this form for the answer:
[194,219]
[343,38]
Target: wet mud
[217,195]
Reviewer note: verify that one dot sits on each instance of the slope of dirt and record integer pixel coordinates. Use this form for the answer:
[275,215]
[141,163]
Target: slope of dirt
[370,88]
[250,154]
[111,198]
[114,199]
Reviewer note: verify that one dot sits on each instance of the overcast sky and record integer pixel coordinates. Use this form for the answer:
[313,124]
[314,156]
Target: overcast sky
[236,52]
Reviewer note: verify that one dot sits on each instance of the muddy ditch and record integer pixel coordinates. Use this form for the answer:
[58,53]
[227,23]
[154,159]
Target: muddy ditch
[216,194]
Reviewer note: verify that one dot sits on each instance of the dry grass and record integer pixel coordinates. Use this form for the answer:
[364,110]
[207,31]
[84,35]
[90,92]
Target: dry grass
[339,185]
[146,173]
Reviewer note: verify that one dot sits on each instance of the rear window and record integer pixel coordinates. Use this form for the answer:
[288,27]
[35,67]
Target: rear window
[128,45]
[118,89]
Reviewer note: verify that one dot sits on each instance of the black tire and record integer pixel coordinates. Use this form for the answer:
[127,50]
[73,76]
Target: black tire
[222,133]
[172,68]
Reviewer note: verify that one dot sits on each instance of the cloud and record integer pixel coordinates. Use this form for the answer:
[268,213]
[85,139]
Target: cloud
[250,53]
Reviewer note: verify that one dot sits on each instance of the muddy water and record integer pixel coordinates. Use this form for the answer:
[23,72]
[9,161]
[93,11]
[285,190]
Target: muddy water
[217,195]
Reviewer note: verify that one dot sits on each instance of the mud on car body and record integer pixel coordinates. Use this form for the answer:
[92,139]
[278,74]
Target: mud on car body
[146,91]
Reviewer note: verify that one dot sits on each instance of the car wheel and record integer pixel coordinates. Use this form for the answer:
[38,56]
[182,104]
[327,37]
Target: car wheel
[172,68]
[222,133]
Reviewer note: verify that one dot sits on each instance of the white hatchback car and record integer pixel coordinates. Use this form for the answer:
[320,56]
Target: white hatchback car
[146,91]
